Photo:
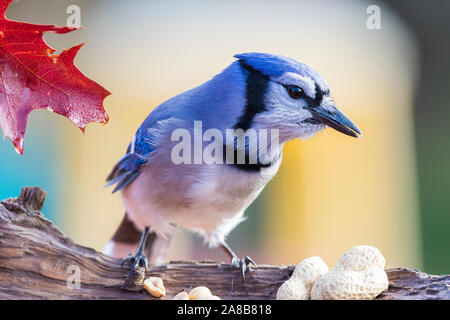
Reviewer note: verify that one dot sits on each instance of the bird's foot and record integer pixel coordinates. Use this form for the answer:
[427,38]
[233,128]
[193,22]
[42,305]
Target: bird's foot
[135,278]
[244,264]
[138,260]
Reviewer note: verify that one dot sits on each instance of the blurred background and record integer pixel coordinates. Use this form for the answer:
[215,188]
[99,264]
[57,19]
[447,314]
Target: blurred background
[389,189]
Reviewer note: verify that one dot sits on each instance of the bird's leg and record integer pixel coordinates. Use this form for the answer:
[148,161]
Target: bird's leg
[139,259]
[135,278]
[236,262]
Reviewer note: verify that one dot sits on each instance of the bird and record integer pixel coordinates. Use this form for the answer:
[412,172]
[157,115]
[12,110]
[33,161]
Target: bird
[269,94]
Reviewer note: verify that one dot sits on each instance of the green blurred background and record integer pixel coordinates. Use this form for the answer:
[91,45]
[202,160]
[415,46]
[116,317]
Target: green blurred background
[430,23]
[390,189]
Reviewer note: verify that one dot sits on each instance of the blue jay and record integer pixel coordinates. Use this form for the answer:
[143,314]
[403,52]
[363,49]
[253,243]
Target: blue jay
[257,91]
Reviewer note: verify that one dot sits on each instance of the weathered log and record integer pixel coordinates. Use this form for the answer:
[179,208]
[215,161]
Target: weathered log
[37,261]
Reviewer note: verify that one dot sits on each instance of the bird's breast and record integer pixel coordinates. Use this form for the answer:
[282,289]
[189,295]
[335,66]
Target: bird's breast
[198,197]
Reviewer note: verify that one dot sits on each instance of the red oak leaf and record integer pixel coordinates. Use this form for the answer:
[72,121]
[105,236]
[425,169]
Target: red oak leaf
[33,77]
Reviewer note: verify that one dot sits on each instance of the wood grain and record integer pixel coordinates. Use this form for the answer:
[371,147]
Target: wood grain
[37,261]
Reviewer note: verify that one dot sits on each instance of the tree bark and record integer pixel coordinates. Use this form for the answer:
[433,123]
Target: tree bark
[37,261]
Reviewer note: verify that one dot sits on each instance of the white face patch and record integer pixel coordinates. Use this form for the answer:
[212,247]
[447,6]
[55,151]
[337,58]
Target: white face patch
[327,104]
[304,82]
[285,114]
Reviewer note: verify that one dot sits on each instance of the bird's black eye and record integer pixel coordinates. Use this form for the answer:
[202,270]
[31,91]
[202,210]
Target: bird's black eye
[295,92]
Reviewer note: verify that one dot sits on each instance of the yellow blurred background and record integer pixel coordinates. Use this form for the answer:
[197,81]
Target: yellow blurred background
[332,192]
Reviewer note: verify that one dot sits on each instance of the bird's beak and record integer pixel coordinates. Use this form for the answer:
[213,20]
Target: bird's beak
[335,119]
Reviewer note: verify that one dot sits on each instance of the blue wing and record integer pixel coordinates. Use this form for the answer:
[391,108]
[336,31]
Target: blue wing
[140,149]
[129,167]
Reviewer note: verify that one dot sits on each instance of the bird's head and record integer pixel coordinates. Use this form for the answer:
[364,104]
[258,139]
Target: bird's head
[290,96]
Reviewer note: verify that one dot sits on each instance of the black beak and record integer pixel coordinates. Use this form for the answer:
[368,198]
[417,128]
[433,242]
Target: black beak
[335,119]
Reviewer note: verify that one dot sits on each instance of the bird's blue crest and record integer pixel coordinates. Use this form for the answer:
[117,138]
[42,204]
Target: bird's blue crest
[275,65]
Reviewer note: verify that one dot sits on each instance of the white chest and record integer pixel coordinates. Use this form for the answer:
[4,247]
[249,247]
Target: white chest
[212,201]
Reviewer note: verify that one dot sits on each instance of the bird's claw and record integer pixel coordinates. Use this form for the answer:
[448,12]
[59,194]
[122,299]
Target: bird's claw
[139,260]
[244,264]
[135,278]
[127,259]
